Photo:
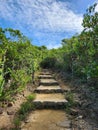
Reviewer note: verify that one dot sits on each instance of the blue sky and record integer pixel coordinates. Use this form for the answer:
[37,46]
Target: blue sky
[44,22]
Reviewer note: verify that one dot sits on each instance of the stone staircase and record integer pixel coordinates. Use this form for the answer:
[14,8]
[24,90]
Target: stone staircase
[49,94]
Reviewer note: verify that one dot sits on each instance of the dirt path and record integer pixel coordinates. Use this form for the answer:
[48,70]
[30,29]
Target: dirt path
[47,120]
[48,95]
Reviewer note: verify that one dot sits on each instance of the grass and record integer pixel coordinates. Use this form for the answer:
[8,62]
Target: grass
[15,129]
[31,97]
[23,112]
[69,96]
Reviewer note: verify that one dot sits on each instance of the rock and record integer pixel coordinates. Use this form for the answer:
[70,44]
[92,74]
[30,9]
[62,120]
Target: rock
[9,112]
[22,124]
[74,112]
[24,129]
[1,110]
[10,104]
[93,115]
[26,121]
[65,124]
[80,117]
[95,129]
[77,103]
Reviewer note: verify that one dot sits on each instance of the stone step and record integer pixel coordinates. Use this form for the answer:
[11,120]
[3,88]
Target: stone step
[45,77]
[45,73]
[48,89]
[56,101]
[48,82]
[45,70]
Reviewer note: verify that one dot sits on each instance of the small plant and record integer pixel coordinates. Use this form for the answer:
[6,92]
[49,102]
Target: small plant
[70,98]
[17,123]
[26,107]
[71,103]
[15,129]
[31,97]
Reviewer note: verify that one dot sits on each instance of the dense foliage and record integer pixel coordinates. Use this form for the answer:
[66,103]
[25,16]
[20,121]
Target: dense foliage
[79,54]
[19,59]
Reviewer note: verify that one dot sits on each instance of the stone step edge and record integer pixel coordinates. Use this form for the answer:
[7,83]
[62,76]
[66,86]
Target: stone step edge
[49,91]
[43,77]
[58,90]
[48,84]
[45,73]
[50,104]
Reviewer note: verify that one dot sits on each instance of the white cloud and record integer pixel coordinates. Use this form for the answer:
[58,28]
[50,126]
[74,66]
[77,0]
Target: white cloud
[53,45]
[46,15]
[96,9]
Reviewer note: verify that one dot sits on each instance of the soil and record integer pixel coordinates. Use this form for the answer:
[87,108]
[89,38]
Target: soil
[46,120]
[6,118]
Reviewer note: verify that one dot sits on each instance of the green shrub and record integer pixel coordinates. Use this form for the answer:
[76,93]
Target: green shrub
[31,97]
[19,79]
[70,98]
[17,122]
[71,103]
[48,62]
[26,107]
